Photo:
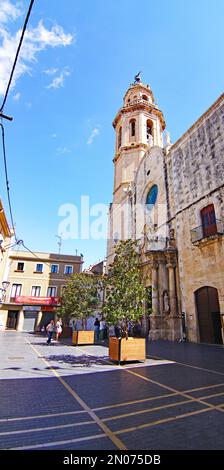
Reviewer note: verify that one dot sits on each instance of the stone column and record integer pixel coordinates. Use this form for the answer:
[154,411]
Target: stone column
[154,134]
[163,281]
[20,320]
[155,293]
[172,289]
[38,320]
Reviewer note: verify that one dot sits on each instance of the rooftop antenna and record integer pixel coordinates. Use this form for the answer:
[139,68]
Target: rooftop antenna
[59,243]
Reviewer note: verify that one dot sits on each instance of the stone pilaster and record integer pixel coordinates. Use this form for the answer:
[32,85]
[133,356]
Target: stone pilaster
[172,289]
[155,293]
[38,321]
[20,320]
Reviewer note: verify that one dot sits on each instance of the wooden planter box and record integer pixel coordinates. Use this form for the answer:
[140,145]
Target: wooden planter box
[82,337]
[131,349]
[66,332]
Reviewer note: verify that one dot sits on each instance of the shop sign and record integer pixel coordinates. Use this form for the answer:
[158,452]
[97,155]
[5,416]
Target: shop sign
[31,308]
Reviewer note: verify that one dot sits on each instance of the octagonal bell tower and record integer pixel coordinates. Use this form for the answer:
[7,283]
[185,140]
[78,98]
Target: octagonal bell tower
[139,125]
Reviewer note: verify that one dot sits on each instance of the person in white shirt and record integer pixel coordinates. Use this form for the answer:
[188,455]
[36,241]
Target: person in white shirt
[58,329]
[50,329]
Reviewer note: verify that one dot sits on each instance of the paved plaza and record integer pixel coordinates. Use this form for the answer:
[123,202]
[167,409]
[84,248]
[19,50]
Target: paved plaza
[65,397]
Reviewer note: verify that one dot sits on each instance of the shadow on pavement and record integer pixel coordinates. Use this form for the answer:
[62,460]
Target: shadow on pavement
[80,361]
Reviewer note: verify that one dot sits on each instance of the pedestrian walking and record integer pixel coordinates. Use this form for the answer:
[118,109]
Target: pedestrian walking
[102,329]
[117,330]
[58,329]
[97,329]
[50,329]
[137,329]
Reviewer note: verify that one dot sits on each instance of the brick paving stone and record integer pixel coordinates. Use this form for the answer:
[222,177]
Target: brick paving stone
[194,354]
[30,388]
[198,432]
[180,377]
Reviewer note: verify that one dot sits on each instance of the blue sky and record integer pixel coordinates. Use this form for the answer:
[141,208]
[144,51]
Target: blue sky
[76,64]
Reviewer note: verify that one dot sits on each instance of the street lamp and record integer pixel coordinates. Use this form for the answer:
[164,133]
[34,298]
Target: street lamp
[5,285]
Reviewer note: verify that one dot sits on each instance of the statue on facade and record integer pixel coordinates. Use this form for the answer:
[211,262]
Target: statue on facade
[166,307]
[171,240]
[138,77]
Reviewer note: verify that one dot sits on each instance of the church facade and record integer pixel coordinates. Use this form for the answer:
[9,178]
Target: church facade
[170,199]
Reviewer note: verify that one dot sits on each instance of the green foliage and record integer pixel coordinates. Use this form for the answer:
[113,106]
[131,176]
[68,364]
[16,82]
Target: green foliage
[125,292]
[80,297]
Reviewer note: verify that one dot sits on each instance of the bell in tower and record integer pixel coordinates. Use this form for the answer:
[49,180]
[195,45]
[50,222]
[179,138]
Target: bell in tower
[139,125]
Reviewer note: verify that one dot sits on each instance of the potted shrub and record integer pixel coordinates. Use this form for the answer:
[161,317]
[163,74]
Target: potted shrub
[123,305]
[78,302]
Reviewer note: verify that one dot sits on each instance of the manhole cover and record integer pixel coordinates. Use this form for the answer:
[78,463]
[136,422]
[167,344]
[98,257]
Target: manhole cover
[16,357]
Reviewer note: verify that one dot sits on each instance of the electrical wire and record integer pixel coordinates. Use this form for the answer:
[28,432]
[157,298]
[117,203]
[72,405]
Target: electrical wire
[17,54]
[34,254]
[2,107]
[7,180]
[8,247]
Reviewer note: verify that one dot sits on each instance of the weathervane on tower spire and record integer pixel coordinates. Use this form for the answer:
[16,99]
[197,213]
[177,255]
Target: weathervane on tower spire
[138,77]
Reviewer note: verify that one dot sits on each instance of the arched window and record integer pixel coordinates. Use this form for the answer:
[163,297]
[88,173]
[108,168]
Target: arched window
[208,221]
[149,132]
[152,197]
[144,97]
[132,127]
[119,137]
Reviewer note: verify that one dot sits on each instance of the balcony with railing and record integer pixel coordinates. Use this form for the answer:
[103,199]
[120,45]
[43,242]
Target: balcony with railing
[208,231]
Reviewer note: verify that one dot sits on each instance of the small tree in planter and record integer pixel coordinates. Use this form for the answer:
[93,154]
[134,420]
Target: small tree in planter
[79,301]
[124,299]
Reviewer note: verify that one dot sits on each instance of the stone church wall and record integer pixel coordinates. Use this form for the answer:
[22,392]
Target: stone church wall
[195,179]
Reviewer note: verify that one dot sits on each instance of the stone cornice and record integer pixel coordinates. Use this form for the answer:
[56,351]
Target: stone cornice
[129,147]
[124,183]
[4,223]
[140,86]
[137,105]
[199,121]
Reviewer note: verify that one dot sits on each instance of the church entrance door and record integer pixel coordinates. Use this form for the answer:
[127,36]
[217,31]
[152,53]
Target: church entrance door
[209,320]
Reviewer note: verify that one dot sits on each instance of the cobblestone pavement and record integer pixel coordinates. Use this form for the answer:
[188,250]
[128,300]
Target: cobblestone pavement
[65,397]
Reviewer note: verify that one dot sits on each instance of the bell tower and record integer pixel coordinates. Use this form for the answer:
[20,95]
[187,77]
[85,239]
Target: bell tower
[138,125]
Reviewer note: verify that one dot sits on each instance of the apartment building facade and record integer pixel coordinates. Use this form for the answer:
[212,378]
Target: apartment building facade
[36,283]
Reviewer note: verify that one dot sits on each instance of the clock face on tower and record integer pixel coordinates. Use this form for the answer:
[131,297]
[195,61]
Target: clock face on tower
[152,197]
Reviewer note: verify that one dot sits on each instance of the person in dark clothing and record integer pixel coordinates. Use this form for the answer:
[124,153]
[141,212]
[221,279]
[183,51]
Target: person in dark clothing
[97,329]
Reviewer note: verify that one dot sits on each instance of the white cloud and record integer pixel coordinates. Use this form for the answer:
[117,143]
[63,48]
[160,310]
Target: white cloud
[16,97]
[93,134]
[58,82]
[51,71]
[8,11]
[35,40]
[63,150]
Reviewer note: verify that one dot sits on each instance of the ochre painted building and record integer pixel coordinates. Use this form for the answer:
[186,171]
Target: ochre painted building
[170,198]
[36,283]
[5,241]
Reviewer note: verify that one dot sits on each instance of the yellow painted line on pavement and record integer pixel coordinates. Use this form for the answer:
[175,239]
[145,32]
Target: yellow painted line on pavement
[212,396]
[186,365]
[148,410]
[203,388]
[116,441]
[172,390]
[48,415]
[59,443]
[160,421]
[144,400]
[134,402]
[185,395]
[46,428]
